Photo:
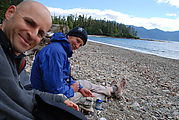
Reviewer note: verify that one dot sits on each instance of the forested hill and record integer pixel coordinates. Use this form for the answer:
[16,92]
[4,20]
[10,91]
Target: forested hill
[4,4]
[156,34]
[97,27]
[93,26]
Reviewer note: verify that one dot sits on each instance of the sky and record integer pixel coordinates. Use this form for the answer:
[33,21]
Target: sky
[150,14]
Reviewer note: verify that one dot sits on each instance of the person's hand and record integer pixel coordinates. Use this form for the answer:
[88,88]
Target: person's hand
[85,92]
[71,104]
[75,86]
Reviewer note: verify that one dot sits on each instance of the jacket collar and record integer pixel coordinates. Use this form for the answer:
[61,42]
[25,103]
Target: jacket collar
[62,39]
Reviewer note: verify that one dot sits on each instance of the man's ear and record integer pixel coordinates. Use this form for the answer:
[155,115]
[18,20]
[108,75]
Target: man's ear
[10,12]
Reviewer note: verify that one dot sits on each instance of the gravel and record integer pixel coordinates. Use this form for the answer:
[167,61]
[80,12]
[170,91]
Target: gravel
[152,91]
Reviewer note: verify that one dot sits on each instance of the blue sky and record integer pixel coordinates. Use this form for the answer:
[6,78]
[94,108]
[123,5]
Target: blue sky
[161,14]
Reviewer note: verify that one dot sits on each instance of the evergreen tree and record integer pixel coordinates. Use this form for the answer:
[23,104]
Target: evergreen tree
[4,4]
[97,27]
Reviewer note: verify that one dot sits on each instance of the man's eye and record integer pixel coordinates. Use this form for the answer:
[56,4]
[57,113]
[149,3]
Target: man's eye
[78,41]
[28,22]
[41,34]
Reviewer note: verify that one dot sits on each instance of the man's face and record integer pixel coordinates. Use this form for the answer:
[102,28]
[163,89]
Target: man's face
[75,42]
[25,28]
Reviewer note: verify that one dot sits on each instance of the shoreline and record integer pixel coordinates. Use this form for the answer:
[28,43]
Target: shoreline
[152,81]
[140,51]
[152,89]
[134,39]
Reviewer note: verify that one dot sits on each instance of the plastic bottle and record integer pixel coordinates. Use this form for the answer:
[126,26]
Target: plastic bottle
[99,104]
[102,118]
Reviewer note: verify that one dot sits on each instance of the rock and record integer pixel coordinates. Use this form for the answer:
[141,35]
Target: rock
[152,90]
[135,106]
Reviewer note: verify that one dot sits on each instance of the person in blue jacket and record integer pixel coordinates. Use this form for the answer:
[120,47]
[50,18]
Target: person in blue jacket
[51,68]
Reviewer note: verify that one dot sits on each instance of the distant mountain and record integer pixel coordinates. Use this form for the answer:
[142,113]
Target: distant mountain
[156,34]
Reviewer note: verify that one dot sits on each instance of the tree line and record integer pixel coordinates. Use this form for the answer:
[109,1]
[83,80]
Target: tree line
[97,27]
[93,26]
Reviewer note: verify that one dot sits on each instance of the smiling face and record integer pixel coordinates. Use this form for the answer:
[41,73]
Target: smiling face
[26,25]
[75,42]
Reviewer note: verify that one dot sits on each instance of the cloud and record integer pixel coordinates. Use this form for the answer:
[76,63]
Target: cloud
[171,2]
[160,23]
[149,23]
[171,14]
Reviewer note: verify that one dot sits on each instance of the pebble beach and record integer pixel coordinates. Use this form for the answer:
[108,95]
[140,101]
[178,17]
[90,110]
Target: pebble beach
[152,91]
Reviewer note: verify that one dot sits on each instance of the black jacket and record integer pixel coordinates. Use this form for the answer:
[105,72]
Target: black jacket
[15,102]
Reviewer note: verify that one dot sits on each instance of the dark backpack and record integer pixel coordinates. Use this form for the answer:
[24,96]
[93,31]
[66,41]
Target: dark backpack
[48,110]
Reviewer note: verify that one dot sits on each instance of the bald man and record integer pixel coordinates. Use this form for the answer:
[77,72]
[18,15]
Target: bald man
[23,28]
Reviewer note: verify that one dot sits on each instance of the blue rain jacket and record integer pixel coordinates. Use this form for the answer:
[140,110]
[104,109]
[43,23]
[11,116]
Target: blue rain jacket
[51,68]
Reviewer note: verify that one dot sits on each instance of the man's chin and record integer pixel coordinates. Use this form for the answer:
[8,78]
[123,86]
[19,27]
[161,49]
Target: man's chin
[20,51]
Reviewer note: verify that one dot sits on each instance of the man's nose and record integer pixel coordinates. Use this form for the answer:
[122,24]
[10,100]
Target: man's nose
[35,32]
[34,35]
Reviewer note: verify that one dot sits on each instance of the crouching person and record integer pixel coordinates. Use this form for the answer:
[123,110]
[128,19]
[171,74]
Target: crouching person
[51,70]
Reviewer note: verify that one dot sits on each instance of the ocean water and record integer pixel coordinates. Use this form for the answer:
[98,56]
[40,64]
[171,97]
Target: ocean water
[168,49]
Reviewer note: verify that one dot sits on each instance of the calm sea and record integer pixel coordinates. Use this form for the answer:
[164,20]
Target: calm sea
[166,49]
